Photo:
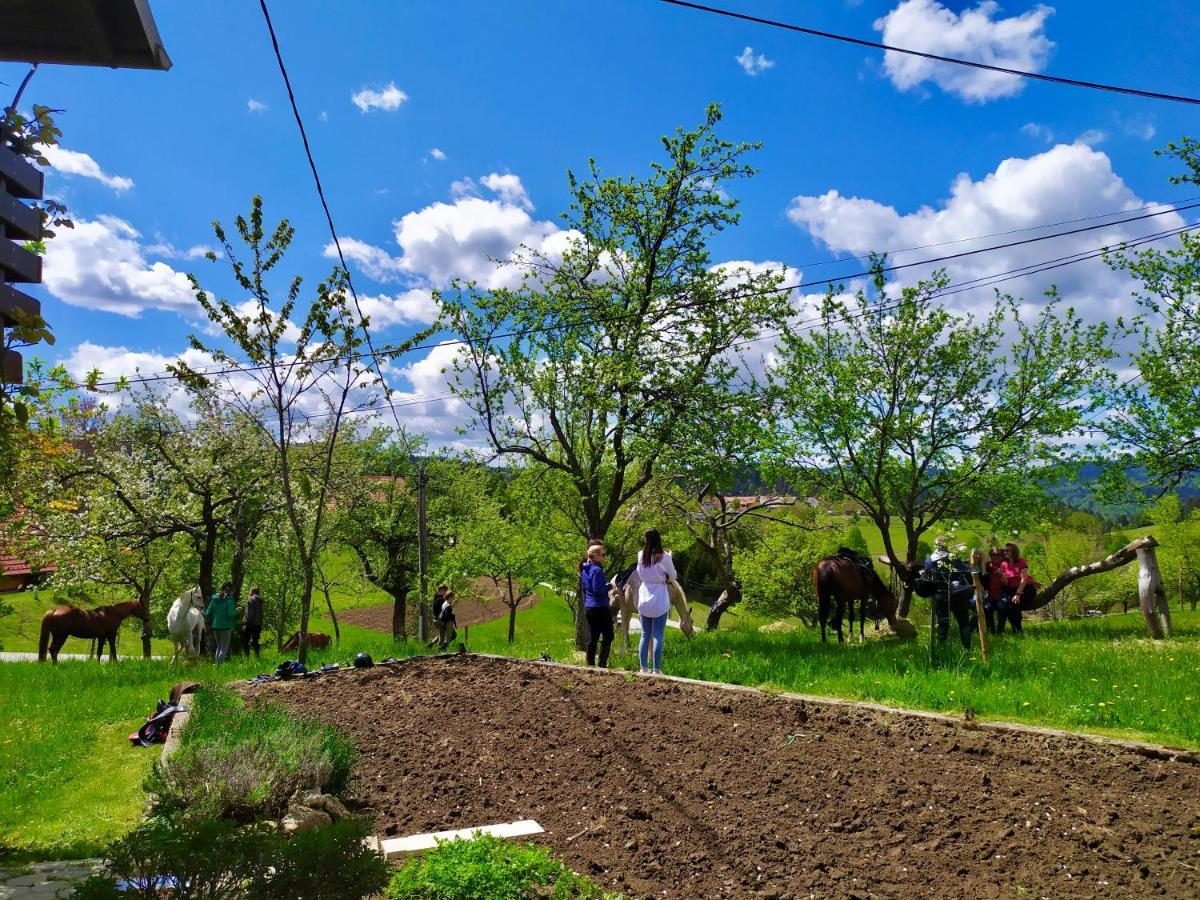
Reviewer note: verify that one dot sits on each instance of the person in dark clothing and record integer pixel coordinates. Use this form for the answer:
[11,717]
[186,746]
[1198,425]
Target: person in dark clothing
[253,622]
[441,597]
[993,583]
[953,593]
[594,591]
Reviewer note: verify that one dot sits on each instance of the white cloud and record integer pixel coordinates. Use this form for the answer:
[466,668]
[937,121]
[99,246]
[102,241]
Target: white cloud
[324,116]
[753,65]
[461,238]
[388,99]
[167,250]
[415,305]
[1068,181]
[1037,130]
[255,106]
[1018,42]
[437,154]
[1092,137]
[509,189]
[101,264]
[73,162]
[375,262]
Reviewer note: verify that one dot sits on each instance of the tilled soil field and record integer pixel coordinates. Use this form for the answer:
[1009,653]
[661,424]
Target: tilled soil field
[657,788]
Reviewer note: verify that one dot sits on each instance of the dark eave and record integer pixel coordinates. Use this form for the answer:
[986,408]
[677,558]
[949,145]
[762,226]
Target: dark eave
[119,34]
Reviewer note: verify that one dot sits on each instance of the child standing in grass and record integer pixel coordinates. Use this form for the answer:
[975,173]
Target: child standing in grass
[221,616]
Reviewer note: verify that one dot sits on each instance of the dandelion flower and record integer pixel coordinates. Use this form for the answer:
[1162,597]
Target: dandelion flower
[1101,703]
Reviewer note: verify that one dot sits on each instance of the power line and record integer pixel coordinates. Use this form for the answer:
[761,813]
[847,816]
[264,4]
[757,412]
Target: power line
[732,296]
[814,32]
[951,289]
[1190,203]
[974,284]
[324,204]
[980,237]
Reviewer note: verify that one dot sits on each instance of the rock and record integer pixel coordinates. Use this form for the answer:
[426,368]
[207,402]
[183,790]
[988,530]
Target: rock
[302,818]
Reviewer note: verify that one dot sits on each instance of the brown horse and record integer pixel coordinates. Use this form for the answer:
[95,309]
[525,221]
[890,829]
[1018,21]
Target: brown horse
[838,582]
[63,622]
[316,640]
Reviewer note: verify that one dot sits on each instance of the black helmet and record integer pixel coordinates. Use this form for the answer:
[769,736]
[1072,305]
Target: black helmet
[363,661]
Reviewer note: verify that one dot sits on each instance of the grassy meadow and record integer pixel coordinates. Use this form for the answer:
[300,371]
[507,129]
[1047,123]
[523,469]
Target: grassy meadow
[70,781]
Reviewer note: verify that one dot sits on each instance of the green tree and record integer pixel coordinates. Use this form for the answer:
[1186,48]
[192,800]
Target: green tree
[377,513]
[917,414]
[298,393]
[776,568]
[496,545]
[591,363]
[1155,416]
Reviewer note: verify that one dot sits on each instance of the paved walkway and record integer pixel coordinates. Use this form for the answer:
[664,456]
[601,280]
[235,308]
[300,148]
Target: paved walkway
[46,880]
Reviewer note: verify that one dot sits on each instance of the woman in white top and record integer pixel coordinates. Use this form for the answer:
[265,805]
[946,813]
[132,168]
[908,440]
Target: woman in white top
[655,570]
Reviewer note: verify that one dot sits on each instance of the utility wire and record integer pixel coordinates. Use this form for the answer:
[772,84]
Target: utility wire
[814,32]
[693,304]
[950,289]
[375,357]
[1182,205]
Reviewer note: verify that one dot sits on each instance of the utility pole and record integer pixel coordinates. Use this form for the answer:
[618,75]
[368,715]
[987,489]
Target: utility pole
[422,552]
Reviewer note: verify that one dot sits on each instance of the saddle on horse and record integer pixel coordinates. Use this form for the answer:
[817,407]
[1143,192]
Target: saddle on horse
[861,560]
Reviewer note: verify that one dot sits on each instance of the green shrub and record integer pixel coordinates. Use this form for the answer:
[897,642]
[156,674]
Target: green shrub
[244,762]
[488,868]
[215,860]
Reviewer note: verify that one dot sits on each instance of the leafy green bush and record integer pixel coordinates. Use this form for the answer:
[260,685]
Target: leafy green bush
[488,868]
[216,860]
[244,762]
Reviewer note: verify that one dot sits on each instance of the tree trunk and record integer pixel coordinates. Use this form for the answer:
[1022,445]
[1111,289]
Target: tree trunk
[1151,596]
[1125,555]
[512,612]
[337,635]
[398,588]
[305,608]
[144,596]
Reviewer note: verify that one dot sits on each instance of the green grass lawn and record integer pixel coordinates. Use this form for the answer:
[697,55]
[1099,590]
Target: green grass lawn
[69,781]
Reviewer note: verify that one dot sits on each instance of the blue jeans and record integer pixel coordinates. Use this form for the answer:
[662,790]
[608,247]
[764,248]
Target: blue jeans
[221,642]
[653,628]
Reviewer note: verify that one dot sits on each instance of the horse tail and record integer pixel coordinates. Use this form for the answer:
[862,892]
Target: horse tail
[44,639]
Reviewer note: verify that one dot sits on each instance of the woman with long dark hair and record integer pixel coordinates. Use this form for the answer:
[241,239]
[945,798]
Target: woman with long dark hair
[655,570]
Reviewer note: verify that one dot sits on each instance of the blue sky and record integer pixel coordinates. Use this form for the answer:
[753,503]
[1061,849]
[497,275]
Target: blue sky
[513,94]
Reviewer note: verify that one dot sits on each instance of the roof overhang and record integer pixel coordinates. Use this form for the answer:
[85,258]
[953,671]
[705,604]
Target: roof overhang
[120,34]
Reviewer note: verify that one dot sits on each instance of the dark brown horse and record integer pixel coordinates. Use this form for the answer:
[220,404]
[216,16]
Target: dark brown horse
[63,622]
[839,581]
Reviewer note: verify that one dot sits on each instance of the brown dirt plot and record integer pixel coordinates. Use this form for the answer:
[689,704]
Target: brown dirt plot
[657,788]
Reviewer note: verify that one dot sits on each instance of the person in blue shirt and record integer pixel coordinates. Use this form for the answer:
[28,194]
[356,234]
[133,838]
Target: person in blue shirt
[593,588]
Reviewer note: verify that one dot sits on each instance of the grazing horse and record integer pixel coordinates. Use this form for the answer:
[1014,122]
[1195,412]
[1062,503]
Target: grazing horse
[839,581]
[63,622]
[185,622]
[626,601]
[316,640]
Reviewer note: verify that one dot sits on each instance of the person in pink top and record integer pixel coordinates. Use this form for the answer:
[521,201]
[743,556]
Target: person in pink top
[1016,586]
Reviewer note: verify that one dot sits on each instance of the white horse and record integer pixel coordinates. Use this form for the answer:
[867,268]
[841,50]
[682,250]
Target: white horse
[627,600]
[185,622]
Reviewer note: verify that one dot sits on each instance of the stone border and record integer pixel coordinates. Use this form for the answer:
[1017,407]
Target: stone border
[1153,751]
[178,721]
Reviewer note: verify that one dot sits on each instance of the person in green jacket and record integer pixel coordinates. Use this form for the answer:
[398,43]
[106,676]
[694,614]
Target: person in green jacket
[221,616]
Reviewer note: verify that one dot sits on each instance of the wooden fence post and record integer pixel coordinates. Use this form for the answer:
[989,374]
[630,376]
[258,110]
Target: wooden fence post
[1151,596]
[981,619]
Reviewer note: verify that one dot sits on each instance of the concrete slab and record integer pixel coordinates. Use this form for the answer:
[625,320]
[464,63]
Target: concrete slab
[394,848]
